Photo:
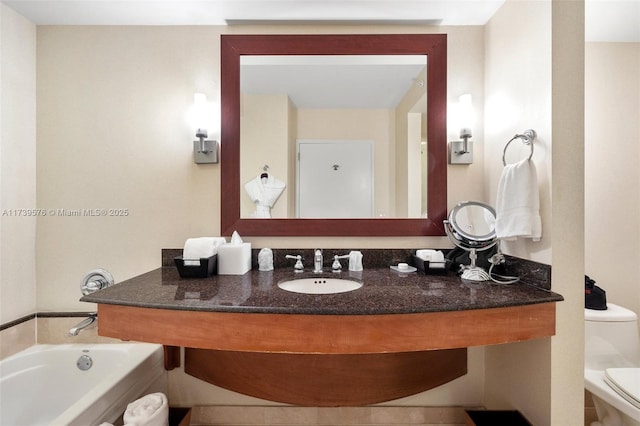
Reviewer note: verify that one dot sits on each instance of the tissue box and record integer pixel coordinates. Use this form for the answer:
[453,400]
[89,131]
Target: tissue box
[234,259]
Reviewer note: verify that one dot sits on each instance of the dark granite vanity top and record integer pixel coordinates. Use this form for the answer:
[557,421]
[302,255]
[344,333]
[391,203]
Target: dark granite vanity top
[384,291]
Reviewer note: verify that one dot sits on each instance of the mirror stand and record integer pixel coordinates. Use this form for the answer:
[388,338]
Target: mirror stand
[473,272]
[471,226]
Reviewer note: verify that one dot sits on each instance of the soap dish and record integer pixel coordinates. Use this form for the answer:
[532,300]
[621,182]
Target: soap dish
[425,267]
[407,270]
[208,266]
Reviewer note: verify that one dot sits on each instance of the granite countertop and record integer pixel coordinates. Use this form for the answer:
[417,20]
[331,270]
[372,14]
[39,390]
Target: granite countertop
[384,291]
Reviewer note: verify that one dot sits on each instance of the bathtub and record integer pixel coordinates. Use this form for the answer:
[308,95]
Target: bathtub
[77,384]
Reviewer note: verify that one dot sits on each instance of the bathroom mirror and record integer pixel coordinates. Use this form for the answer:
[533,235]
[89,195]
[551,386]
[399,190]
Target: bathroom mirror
[473,223]
[432,47]
[376,106]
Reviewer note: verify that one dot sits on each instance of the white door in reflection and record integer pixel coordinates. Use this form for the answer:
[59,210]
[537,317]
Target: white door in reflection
[334,179]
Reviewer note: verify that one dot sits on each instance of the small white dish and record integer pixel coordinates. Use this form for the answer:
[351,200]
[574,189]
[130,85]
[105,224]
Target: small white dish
[405,269]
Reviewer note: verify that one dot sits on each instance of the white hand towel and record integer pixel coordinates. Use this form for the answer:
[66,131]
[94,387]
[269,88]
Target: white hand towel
[435,256]
[195,248]
[150,410]
[518,202]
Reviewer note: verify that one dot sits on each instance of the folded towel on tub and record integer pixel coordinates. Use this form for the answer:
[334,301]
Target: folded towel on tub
[150,410]
[518,202]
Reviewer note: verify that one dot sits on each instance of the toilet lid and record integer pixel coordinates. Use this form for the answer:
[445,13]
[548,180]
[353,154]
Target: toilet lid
[626,382]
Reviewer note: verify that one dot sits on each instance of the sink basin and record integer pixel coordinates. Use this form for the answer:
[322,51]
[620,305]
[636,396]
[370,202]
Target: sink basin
[319,285]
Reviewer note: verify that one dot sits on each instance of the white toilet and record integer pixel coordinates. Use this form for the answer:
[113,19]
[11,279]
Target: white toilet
[612,365]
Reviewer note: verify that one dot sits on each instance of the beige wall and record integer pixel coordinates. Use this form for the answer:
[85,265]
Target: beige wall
[408,132]
[531,46]
[113,134]
[567,230]
[265,127]
[517,81]
[612,175]
[17,165]
[518,77]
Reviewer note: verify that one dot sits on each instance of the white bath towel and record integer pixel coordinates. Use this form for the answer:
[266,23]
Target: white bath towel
[150,410]
[518,202]
[196,248]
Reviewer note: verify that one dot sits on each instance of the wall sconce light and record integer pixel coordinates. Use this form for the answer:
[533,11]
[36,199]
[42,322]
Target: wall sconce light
[205,151]
[461,152]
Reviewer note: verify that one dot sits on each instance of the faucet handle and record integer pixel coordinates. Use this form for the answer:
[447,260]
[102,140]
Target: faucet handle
[337,266]
[298,266]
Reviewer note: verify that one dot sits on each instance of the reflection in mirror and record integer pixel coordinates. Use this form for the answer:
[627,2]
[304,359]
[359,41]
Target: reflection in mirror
[241,116]
[473,223]
[330,127]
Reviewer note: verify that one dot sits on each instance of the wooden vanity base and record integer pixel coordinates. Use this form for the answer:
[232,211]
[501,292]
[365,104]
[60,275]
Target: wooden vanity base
[326,360]
[322,380]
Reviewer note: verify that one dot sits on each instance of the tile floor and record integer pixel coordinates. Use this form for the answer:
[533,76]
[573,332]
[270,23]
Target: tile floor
[301,416]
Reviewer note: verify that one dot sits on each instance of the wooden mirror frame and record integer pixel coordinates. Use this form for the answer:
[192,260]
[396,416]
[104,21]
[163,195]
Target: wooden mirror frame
[234,46]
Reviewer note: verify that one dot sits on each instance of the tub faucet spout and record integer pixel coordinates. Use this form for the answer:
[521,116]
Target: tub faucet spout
[92,319]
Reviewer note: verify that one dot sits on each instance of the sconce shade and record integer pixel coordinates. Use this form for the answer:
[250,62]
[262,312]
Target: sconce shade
[466,115]
[461,152]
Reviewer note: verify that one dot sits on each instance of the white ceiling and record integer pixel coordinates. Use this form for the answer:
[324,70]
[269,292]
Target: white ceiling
[606,20]
[330,82]
[219,12]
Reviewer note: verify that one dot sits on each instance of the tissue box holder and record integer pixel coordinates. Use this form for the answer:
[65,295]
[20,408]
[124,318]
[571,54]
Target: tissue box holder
[423,266]
[208,266]
[234,259]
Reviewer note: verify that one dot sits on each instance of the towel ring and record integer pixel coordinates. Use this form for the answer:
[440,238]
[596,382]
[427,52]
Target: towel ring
[527,138]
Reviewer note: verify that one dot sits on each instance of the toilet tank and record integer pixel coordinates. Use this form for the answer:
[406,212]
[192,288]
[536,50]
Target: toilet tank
[611,338]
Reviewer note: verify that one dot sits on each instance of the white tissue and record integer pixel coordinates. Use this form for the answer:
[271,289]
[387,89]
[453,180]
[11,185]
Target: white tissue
[430,255]
[150,410]
[234,258]
[236,239]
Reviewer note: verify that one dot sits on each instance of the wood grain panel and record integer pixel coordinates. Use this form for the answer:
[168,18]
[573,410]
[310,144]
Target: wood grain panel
[326,380]
[171,357]
[327,334]
[233,47]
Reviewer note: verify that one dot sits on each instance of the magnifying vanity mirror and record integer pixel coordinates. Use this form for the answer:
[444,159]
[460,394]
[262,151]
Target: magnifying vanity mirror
[277,105]
[471,226]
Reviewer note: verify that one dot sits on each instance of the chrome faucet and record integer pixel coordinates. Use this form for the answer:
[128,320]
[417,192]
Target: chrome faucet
[92,319]
[337,266]
[298,267]
[317,261]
